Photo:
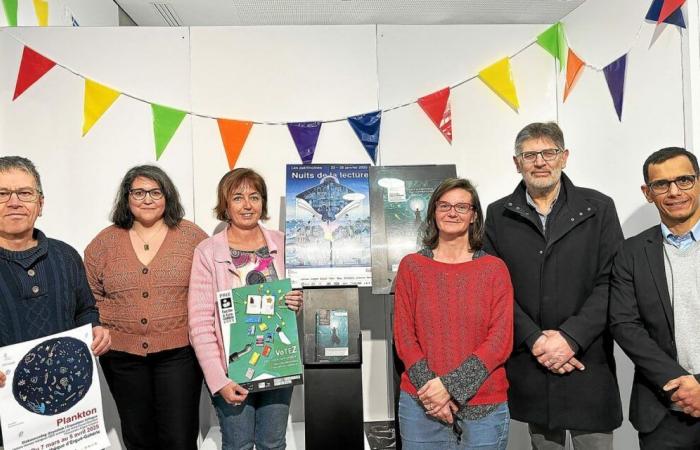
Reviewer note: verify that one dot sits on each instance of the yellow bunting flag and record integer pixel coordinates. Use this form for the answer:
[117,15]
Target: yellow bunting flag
[41,9]
[98,99]
[498,77]
[233,134]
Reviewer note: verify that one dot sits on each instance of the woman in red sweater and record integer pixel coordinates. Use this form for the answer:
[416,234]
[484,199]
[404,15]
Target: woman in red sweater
[453,329]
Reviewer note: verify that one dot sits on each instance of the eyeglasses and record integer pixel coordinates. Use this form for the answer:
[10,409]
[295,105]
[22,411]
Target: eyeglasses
[684,182]
[26,195]
[461,208]
[140,194]
[547,154]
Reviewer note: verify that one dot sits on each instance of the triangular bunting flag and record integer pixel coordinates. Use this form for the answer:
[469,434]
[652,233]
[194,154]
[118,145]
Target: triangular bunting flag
[32,67]
[366,127]
[165,123]
[437,107]
[10,7]
[305,136]
[98,99]
[668,8]
[553,40]
[654,14]
[574,68]
[233,135]
[41,9]
[615,77]
[498,77]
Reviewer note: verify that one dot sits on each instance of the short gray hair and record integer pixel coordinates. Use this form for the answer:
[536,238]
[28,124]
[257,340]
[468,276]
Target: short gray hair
[540,130]
[8,163]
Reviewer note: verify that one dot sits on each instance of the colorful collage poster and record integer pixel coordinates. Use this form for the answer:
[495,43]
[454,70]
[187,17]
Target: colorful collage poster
[52,397]
[263,341]
[328,225]
[399,198]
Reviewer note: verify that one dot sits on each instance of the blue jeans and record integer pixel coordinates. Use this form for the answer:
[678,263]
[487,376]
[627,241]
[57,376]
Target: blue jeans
[261,420]
[420,431]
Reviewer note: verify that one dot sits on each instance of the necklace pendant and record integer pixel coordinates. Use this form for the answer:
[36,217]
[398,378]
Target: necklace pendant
[145,247]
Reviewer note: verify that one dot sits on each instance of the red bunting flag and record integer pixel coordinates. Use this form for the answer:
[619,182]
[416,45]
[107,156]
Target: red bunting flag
[233,135]
[669,7]
[32,67]
[437,107]
[574,67]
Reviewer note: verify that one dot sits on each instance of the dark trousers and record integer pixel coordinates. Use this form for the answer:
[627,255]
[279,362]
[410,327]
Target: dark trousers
[157,397]
[677,431]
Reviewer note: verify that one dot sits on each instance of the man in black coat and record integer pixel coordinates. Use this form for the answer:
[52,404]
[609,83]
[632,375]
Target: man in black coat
[655,306]
[558,241]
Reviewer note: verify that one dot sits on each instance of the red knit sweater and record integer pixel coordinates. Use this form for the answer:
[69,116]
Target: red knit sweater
[445,313]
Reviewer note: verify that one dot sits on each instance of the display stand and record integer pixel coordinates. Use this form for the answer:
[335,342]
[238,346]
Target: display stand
[333,369]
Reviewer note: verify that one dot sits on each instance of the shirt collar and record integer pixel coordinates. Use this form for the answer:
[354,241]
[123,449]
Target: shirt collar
[677,241]
[531,202]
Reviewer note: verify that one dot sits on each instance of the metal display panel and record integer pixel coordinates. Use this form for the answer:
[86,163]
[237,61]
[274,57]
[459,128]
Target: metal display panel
[398,200]
[320,347]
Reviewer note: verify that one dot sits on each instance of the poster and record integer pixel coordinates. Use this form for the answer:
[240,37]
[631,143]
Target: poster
[263,341]
[52,398]
[327,225]
[399,198]
[331,334]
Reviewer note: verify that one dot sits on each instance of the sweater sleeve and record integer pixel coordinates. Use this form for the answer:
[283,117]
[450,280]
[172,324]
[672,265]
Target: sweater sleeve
[94,267]
[407,345]
[201,306]
[85,311]
[463,382]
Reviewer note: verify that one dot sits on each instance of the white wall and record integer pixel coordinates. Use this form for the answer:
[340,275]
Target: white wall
[321,73]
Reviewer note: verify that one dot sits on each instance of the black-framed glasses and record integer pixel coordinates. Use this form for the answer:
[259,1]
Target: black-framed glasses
[548,154]
[684,182]
[27,195]
[140,194]
[461,208]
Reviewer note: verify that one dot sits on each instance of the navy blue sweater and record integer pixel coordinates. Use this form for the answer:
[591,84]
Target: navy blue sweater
[43,291]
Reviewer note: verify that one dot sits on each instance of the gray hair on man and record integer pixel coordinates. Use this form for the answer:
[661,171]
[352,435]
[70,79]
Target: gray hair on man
[540,130]
[8,163]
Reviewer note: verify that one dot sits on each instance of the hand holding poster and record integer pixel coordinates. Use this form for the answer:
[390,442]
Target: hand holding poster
[262,342]
[52,398]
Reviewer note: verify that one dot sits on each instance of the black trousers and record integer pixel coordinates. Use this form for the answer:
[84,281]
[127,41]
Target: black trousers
[677,431]
[157,397]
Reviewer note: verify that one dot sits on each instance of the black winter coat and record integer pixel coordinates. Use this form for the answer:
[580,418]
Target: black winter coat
[561,282]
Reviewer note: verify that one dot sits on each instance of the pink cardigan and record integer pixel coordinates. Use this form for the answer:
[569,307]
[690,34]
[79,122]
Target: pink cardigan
[213,271]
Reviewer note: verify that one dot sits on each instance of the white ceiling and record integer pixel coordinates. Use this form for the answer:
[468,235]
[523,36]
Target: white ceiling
[344,12]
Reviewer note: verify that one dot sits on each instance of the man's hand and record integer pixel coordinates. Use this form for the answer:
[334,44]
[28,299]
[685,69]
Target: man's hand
[687,395]
[2,379]
[555,353]
[233,394]
[101,341]
[434,396]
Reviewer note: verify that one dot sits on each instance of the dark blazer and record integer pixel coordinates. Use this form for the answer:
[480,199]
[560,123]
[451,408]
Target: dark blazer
[641,320]
[561,281]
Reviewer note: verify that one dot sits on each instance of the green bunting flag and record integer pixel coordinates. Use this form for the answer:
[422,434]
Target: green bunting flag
[165,123]
[553,40]
[10,12]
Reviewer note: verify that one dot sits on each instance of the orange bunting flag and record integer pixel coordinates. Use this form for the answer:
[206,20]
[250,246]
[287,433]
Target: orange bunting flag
[574,68]
[498,77]
[32,67]
[233,135]
[668,8]
[98,99]
[437,107]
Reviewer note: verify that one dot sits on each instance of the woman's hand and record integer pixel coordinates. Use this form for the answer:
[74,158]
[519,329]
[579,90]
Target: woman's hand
[233,394]
[434,396]
[2,379]
[294,300]
[445,414]
[101,341]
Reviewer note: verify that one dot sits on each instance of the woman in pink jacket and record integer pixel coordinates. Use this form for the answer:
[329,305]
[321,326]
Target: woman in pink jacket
[243,253]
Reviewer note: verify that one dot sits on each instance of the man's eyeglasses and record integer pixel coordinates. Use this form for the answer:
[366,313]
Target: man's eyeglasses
[26,195]
[548,154]
[684,182]
[461,208]
[140,194]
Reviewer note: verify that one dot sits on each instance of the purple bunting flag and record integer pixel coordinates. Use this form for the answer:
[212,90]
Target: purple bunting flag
[366,127]
[305,135]
[615,76]
[676,18]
